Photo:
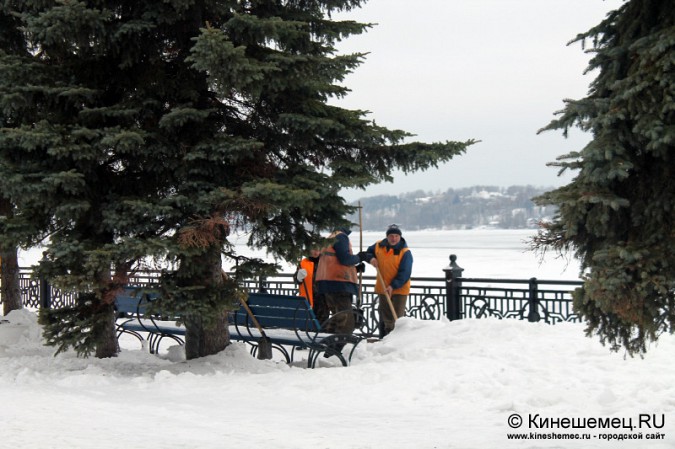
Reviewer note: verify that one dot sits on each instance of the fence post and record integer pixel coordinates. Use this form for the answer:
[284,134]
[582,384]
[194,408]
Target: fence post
[533,302]
[45,294]
[453,284]
[262,281]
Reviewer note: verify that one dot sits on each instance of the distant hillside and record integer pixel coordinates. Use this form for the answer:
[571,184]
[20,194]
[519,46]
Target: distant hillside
[466,208]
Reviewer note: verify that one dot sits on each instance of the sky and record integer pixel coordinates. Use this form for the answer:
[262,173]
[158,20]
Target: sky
[490,70]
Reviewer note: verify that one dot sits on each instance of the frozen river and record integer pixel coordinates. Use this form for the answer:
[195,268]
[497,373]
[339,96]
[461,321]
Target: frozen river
[490,253]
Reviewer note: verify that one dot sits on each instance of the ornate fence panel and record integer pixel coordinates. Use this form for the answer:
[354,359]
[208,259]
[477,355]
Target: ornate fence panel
[427,299]
[520,299]
[30,289]
[556,300]
[144,278]
[454,296]
[37,293]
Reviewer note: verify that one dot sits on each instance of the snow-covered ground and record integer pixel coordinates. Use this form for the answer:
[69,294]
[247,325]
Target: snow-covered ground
[429,384]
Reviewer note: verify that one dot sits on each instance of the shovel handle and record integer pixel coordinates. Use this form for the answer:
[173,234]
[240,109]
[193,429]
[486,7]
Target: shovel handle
[386,294]
[360,299]
[253,318]
[247,308]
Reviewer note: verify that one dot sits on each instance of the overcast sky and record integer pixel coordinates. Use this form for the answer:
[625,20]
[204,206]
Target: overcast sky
[490,70]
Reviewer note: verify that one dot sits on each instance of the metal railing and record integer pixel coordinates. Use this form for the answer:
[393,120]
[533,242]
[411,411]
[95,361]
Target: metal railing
[531,299]
[452,296]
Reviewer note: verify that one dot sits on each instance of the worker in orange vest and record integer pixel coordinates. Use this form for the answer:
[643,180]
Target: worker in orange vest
[304,276]
[392,257]
[336,279]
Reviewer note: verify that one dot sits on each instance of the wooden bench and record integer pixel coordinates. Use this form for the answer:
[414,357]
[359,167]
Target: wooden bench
[288,321]
[133,316]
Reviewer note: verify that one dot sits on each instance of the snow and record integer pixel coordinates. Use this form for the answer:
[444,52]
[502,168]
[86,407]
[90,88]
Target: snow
[429,384]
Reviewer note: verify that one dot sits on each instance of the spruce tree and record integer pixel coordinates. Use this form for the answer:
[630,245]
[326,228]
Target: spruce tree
[617,213]
[158,128]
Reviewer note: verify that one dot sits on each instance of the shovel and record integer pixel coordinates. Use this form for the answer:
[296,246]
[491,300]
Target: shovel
[359,317]
[386,294]
[264,342]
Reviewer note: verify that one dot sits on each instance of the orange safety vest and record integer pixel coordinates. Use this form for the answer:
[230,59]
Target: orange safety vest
[388,263]
[306,286]
[330,268]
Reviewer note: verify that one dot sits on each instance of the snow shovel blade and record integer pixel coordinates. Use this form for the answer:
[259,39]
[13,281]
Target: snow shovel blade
[264,348]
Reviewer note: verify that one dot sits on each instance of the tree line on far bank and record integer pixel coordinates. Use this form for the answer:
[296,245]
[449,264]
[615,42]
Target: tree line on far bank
[464,208]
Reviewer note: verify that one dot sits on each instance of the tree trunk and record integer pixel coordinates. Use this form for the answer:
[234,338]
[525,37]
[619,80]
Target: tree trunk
[211,335]
[10,292]
[107,342]
[201,340]
[106,338]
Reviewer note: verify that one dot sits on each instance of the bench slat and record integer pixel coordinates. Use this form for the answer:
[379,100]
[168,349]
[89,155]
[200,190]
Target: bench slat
[269,300]
[279,322]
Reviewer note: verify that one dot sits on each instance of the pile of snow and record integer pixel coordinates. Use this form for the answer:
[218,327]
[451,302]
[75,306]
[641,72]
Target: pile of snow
[429,384]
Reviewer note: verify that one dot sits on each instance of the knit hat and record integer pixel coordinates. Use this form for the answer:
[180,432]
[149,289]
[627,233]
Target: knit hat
[344,229]
[393,229]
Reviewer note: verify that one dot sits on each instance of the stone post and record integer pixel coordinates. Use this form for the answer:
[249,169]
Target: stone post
[453,288]
[533,302]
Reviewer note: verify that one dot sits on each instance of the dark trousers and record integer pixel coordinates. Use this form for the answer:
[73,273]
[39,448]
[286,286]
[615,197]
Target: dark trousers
[387,322]
[340,307]
[321,308]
